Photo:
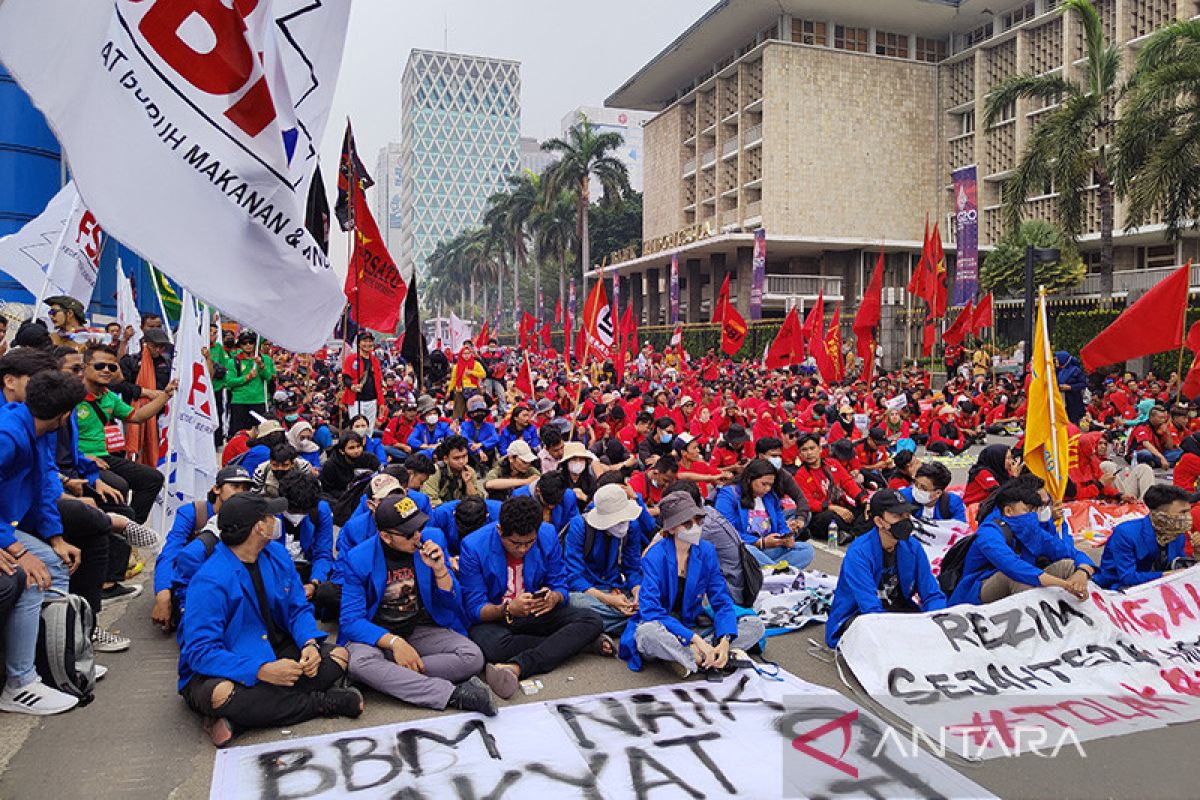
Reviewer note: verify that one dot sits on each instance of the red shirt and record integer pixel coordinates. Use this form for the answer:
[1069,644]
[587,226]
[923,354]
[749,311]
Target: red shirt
[978,489]
[239,443]
[701,468]
[397,430]
[641,484]
[825,481]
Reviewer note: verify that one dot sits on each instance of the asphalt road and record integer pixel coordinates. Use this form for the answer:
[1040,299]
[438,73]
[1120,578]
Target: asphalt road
[138,740]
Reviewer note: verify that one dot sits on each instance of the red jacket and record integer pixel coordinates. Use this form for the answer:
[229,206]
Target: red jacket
[352,368]
[826,481]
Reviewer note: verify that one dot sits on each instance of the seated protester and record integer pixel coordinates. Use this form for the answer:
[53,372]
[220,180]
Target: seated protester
[300,436]
[515,595]
[1186,474]
[559,506]
[1153,441]
[1143,550]
[733,451]
[833,496]
[511,472]
[401,617]
[650,484]
[400,427]
[479,433]
[996,465]
[308,537]
[458,519]
[632,436]
[603,562]
[431,430]
[420,468]
[1003,557]
[681,581]
[371,444]
[577,471]
[29,491]
[346,462]
[658,444]
[519,426]
[553,446]
[905,465]
[692,466]
[454,478]
[190,519]
[841,426]
[754,511]
[252,655]
[795,505]
[945,438]
[361,525]
[1093,476]
[930,496]
[717,531]
[873,458]
[884,569]
[268,434]
[843,452]
[283,461]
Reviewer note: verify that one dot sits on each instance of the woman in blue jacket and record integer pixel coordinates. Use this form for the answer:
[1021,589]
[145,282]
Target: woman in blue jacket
[679,573]
[371,444]
[754,511]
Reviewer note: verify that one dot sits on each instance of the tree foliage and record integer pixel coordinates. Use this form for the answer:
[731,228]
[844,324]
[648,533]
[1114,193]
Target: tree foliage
[614,228]
[1003,269]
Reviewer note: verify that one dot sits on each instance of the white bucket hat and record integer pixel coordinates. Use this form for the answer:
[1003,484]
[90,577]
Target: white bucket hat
[611,507]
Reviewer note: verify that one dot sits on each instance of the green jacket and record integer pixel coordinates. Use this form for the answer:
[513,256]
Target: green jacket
[444,486]
[221,358]
[246,390]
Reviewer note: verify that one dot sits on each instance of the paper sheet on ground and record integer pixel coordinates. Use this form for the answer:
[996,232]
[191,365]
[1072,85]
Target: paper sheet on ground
[793,599]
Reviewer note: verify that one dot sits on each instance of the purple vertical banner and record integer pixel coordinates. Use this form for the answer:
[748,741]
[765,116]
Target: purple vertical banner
[541,305]
[674,288]
[616,297]
[966,235]
[571,299]
[758,273]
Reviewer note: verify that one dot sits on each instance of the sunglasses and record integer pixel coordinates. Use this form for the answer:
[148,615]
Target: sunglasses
[106,366]
[56,310]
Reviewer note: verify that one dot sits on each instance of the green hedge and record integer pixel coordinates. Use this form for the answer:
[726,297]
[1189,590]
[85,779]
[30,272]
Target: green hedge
[1072,330]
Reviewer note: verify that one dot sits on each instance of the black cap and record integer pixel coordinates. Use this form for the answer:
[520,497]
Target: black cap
[890,500]
[156,336]
[878,434]
[234,473]
[736,434]
[400,514]
[365,335]
[243,511]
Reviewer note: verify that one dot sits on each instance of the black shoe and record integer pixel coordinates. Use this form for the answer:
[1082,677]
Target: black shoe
[120,591]
[341,703]
[473,695]
[845,538]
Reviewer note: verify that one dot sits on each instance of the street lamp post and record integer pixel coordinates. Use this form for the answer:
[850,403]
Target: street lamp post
[1033,256]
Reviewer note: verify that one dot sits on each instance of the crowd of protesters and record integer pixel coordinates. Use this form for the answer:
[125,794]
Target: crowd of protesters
[441,532]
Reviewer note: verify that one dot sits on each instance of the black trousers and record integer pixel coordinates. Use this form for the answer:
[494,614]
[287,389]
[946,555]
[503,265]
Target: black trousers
[239,416]
[539,644]
[116,482]
[144,482]
[942,448]
[89,529]
[265,705]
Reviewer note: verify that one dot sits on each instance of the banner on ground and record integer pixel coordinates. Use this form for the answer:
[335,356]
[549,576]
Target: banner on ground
[966,235]
[1039,669]
[791,600]
[26,254]
[690,739]
[211,114]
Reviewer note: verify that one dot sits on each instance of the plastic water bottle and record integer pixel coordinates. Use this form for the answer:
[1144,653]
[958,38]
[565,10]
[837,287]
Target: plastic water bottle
[831,535]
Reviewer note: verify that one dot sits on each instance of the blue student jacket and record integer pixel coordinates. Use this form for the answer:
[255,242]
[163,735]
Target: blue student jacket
[660,584]
[374,446]
[176,539]
[610,564]
[729,502]
[363,584]
[858,581]
[29,482]
[990,553]
[1130,552]
[427,439]
[361,525]
[483,568]
[508,436]
[563,513]
[314,458]
[224,633]
[255,457]
[958,509]
[483,434]
[316,540]
[84,467]
[442,518]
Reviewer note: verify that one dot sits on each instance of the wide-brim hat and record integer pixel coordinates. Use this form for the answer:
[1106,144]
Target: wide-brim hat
[611,507]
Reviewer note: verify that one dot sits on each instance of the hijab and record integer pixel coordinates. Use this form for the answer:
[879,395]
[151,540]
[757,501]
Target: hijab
[302,445]
[1143,412]
[991,460]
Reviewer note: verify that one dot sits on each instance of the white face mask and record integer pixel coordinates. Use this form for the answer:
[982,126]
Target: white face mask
[619,530]
[295,519]
[362,432]
[922,497]
[576,467]
[1045,514]
[431,419]
[275,530]
[690,534]
[776,462]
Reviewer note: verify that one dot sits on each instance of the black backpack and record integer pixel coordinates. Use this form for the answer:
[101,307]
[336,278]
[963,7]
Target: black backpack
[956,557]
[589,538]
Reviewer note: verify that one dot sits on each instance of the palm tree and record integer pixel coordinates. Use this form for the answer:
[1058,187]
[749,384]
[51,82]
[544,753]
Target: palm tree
[585,154]
[1067,149]
[553,226]
[1158,136]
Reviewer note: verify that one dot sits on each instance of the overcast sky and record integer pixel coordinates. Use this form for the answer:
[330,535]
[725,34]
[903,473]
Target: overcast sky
[572,53]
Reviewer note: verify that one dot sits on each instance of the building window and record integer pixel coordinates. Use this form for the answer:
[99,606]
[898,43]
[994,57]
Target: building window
[1018,15]
[966,122]
[931,50]
[847,38]
[980,34]
[1158,256]
[807,31]
[891,44]
[1007,114]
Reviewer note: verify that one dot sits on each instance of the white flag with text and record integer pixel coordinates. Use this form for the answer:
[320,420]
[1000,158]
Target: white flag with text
[26,254]
[191,462]
[128,315]
[75,261]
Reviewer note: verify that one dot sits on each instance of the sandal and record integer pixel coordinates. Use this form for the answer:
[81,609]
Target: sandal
[603,645]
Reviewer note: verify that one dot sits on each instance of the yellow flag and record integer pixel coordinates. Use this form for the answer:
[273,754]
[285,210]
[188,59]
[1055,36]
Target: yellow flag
[1047,443]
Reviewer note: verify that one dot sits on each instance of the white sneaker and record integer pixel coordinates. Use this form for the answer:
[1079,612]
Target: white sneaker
[101,671]
[37,699]
[105,641]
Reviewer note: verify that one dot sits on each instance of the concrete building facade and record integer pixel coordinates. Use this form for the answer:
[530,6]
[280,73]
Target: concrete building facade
[385,197]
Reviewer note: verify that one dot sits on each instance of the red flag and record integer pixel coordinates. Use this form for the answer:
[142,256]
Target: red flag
[983,314]
[826,349]
[867,319]
[622,343]
[558,311]
[788,346]
[937,268]
[814,323]
[598,323]
[733,330]
[1151,325]
[525,378]
[919,283]
[567,340]
[676,336]
[373,287]
[718,309]
[484,335]
[1191,384]
[581,347]
[961,326]
[546,336]
[528,331]
[928,337]
[629,331]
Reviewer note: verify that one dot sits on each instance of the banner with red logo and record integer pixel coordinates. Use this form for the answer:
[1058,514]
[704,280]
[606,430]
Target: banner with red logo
[192,130]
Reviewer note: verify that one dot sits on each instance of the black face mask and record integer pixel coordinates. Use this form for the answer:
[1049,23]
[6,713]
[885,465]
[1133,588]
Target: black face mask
[479,417]
[280,473]
[901,530]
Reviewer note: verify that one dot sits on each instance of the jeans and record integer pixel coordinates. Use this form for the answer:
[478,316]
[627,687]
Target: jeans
[538,644]
[449,658]
[144,482]
[21,636]
[614,620]
[654,640]
[799,555]
[87,527]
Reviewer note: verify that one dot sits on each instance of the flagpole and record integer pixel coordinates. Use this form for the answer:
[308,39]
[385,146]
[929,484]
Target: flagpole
[1045,366]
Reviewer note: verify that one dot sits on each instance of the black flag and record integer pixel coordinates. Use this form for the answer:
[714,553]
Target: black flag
[316,212]
[350,169]
[414,348]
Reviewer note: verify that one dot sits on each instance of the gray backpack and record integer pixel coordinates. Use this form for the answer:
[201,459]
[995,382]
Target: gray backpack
[65,659]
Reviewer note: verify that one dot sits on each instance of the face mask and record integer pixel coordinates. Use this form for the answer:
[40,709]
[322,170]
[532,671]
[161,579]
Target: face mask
[922,497]
[431,419]
[1169,526]
[901,530]
[361,432]
[295,519]
[665,438]
[292,417]
[275,530]
[776,462]
[619,530]
[479,417]
[1045,514]
[279,474]
[576,467]
[690,534]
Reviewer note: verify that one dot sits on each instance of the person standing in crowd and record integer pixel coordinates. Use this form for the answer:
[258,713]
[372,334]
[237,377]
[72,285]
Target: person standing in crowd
[362,380]
[247,380]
